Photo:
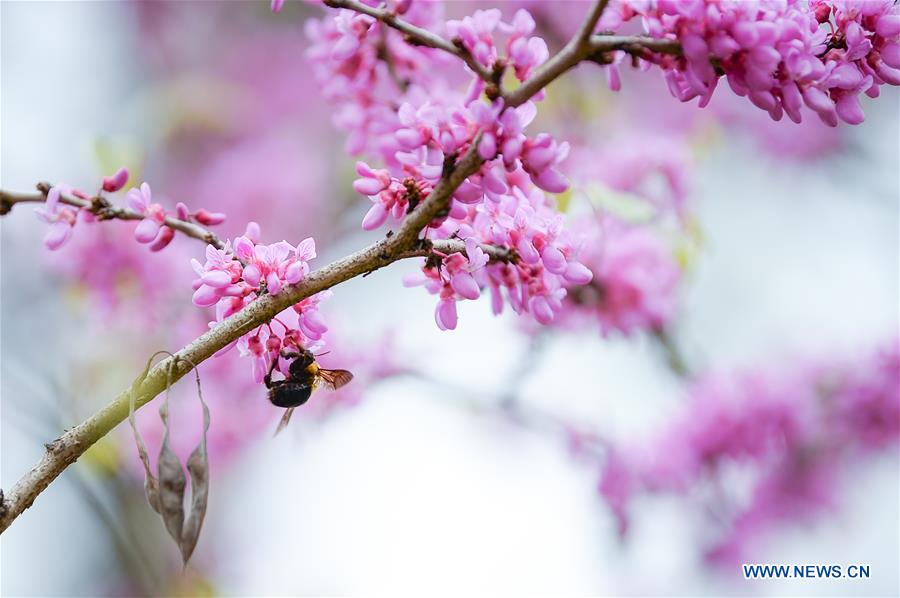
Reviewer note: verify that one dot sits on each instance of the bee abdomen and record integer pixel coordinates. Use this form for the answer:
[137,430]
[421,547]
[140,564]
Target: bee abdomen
[290,394]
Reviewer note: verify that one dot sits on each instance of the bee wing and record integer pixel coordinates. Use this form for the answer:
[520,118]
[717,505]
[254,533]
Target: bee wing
[285,419]
[334,379]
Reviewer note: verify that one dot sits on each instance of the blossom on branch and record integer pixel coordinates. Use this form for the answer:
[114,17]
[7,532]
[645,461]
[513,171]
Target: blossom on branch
[233,277]
[61,219]
[780,55]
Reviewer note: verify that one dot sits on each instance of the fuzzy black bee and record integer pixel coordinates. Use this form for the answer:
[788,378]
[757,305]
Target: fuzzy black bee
[304,376]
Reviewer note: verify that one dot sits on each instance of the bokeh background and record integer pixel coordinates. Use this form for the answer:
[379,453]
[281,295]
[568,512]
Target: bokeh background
[453,464]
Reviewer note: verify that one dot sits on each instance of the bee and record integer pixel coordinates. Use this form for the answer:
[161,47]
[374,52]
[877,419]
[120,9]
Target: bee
[304,376]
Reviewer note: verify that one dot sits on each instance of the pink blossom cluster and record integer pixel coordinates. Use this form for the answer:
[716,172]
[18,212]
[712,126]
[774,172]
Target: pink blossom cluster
[366,70]
[792,434]
[235,276]
[781,55]
[422,128]
[371,73]
[524,52]
[635,278]
[503,204]
[534,280]
[430,133]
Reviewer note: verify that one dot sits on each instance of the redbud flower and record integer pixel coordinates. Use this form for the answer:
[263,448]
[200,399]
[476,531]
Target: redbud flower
[827,52]
[140,201]
[60,218]
[372,181]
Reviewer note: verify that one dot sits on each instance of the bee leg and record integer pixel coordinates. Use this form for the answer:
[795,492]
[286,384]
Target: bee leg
[268,377]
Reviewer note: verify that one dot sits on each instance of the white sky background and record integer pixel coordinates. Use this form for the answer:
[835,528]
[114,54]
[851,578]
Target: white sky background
[409,493]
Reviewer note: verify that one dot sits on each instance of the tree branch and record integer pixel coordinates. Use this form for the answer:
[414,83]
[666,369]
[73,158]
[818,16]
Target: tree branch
[582,47]
[100,207]
[637,45]
[578,51]
[414,35]
[66,449]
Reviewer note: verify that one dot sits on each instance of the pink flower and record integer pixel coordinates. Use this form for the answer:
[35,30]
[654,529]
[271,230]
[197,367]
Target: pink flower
[218,278]
[475,33]
[372,181]
[141,201]
[525,53]
[61,219]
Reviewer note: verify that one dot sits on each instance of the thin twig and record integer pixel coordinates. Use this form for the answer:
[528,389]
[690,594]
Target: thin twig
[576,50]
[104,210]
[415,35]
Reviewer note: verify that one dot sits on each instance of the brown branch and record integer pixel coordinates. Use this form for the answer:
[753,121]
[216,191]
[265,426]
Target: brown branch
[576,50]
[414,35]
[429,248]
[104,210]
[66,449]
[637,45]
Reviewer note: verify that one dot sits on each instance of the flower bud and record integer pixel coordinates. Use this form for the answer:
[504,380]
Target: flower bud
[208,218]
[115,182]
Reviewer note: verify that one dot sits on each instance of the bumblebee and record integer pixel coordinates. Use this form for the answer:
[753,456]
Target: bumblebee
[304,376]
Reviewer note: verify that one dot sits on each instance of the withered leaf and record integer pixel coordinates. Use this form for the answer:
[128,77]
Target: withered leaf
[172,480]
[198,467]
[166,492]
